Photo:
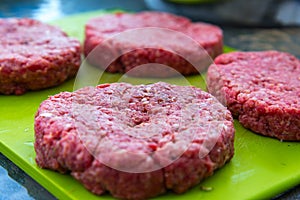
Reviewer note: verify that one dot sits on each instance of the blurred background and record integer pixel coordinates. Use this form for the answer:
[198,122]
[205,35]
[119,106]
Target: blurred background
[266,13]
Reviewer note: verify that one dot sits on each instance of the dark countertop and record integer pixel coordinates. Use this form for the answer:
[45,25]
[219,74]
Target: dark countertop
[239,37]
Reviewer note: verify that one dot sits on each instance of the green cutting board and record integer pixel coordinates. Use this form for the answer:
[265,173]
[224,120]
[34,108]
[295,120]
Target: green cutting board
[261,168]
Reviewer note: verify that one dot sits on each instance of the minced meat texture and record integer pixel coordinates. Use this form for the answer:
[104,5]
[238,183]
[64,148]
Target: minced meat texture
[168,45]
[261,89]
[34,56]
[135,142]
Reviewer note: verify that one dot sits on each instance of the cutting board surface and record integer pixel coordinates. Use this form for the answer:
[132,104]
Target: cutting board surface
[261,168]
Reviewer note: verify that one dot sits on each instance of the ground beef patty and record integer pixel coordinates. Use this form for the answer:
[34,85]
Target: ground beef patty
[135,142]
[34,56]
[165,45]
[262,89]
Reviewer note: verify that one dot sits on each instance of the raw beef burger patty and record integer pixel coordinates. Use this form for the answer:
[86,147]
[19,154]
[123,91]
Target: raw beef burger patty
[135,142]
[34,56]
[100,29]
[262,89]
